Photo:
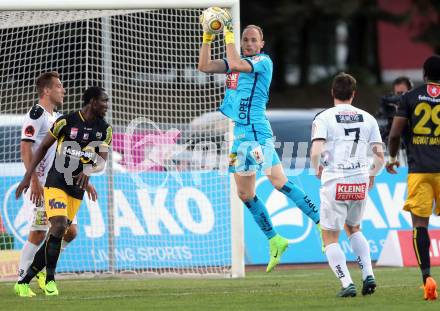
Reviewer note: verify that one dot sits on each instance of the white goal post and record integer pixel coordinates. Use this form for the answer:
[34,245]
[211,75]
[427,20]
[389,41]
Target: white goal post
[166,204]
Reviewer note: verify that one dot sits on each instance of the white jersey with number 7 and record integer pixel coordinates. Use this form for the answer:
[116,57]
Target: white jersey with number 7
[348,133]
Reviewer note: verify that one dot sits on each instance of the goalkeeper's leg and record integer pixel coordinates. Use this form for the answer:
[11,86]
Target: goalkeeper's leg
[297,195]
[246,193]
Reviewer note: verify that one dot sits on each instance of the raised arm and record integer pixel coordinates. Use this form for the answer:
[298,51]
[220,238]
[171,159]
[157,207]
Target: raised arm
[205,63]
[235,62]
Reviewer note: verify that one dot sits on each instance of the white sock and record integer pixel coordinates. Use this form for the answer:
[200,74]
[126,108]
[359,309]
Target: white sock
[337,261]
[27,256]
[361,248]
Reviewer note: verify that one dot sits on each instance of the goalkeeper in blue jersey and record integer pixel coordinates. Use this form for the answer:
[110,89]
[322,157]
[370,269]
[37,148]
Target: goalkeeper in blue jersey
[248,80]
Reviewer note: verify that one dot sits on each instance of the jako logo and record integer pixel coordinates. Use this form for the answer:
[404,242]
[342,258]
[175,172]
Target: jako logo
[283,212]
[56,205]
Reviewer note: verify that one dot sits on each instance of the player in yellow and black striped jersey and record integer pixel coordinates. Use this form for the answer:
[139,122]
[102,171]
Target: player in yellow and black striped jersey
[77,143]
[419,110]
[83,138]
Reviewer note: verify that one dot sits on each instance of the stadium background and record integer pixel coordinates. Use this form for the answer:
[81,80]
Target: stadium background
[309,41]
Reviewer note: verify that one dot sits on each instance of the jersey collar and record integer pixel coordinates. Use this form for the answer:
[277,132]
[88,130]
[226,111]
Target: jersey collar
[81,116]
[39,104]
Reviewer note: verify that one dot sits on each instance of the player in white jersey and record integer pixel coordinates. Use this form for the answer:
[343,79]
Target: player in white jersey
[342,136]
[36,125]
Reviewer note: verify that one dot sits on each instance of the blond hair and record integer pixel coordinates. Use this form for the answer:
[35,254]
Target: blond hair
[45,80]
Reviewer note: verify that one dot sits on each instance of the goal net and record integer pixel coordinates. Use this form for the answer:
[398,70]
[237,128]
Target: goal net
[164,202]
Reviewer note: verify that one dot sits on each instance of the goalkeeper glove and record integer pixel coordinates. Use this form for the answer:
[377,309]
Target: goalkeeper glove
[208,37]
[228,29]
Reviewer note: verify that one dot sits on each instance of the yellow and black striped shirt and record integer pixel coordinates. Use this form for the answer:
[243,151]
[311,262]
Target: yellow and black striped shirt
[78,142]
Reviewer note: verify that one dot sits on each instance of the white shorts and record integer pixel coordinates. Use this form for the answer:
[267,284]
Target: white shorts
[343,202]
[37,214]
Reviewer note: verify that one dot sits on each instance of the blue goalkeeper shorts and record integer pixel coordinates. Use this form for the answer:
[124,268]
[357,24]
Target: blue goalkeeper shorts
[253,148]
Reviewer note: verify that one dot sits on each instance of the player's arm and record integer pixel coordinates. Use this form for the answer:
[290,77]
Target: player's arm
[205,63]
[26,157]
[399,124]
[400,121]
[82,179]
[378,162]
[91,192]
[319,137]
[47,142]
[315,155]
[103,151]
[235,63]
[32,124]
[377,148]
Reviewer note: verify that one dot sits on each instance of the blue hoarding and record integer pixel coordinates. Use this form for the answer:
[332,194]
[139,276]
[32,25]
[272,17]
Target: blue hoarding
[159,221]
[383,212]
[163,221]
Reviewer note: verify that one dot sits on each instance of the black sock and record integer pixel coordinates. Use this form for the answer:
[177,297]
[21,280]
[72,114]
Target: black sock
[421,244]
[37,264]
[53,249]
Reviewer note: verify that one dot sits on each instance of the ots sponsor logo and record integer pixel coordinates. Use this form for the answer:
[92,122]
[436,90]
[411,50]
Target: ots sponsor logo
[349,118]
[433,90]
[232,80]
[86,155]
[354,192]
[286,217]
[73,132]
[29,131]
[56,204]
[79,154]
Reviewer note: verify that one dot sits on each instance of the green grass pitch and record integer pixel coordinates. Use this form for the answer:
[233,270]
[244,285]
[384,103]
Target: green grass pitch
[285,289]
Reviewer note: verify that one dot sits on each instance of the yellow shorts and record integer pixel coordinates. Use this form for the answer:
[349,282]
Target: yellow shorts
[59,203]
[423,190]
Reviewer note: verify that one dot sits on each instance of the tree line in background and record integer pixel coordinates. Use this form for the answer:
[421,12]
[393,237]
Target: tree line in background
[302,32]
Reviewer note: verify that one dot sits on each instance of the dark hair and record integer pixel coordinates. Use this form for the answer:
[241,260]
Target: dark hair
[343,86]
[431,68]
[45,80]
[258,28]
[403,80]
[93,92]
